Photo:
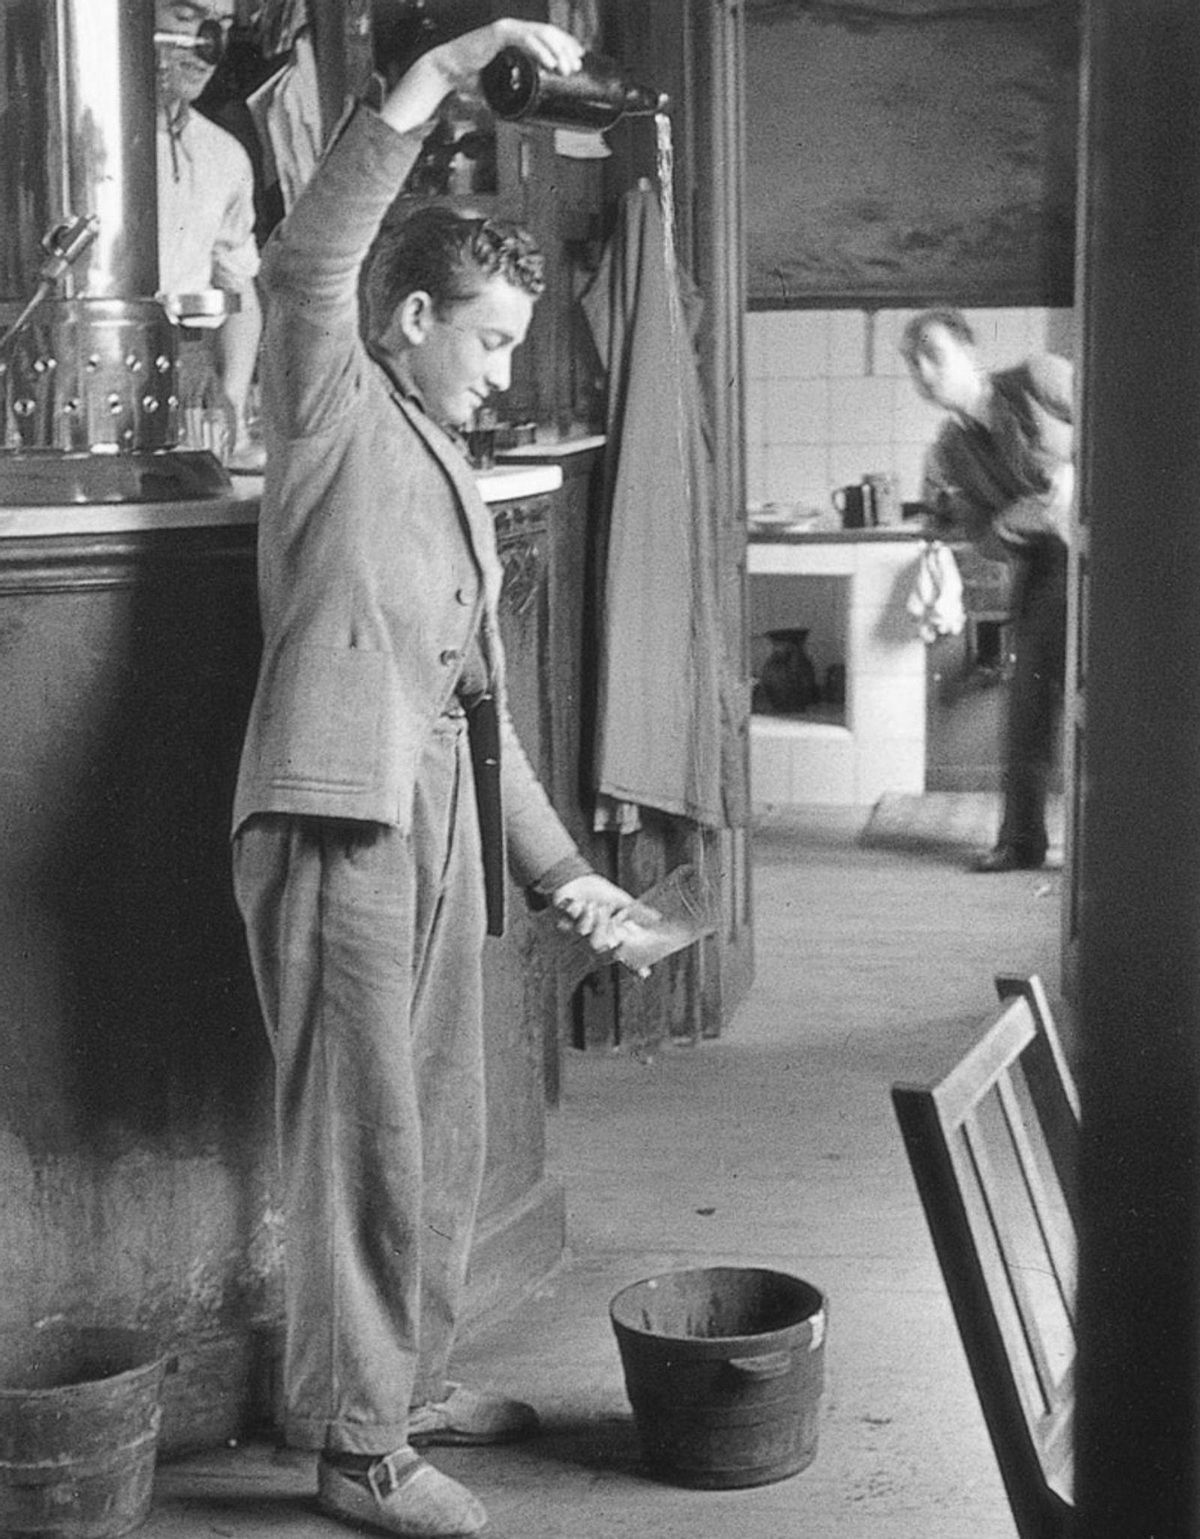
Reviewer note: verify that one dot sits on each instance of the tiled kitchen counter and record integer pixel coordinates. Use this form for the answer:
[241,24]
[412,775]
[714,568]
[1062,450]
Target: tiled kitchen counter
[878,744]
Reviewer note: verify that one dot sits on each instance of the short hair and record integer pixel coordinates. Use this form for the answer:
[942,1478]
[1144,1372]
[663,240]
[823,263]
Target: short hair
[919,327]
[447,255]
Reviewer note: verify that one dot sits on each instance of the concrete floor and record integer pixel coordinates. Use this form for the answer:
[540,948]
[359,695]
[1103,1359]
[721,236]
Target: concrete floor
[775,1145]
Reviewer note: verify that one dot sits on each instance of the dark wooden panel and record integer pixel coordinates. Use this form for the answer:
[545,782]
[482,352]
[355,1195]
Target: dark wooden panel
[518,977]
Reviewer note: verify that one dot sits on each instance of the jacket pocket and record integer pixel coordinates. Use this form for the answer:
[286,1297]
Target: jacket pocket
[323,719]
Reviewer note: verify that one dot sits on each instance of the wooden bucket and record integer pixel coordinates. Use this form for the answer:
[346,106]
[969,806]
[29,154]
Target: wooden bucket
[79,1419]
[724,1367]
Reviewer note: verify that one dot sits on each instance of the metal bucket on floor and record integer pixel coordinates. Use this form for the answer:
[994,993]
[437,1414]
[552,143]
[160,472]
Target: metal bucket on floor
[724,1368]
[79,1419]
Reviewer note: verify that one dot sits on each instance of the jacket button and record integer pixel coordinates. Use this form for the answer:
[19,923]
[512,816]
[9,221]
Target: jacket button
[450,655]
[463,595]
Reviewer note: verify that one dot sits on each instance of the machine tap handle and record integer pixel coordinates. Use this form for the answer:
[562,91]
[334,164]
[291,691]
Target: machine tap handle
[65,244]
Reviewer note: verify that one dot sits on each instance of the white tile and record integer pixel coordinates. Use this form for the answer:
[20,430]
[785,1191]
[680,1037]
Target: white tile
[914,420]
[832,559]
[861,411]
[909,463]
[847,344]
[986,325]
[755,333]
[797,411]
[848,463]
[1015,339]
[797,473]
[1062,333]
[885,645]
[823,774]
[770,771]
[758,393]
[1035,328]
[883,636]
[756,473]
[802,344]
[795,345]
[887,708]
[897,767]
[797,763]
[1000,334]
[889,327]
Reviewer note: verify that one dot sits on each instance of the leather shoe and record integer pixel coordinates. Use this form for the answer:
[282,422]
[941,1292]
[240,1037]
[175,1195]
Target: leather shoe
[402,1494]
[470,1416]
[1009,857]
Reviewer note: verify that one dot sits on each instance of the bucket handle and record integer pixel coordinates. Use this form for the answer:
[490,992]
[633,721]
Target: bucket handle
[771,1365]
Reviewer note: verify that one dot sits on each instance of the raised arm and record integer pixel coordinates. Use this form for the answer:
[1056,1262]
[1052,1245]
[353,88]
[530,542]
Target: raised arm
[310,274]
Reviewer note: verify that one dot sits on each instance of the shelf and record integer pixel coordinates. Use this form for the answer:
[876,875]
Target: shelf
[823,721]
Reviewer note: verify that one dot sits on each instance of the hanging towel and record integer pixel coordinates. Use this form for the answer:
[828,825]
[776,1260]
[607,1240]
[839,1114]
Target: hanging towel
[287,114]
[936,601]
[665,729]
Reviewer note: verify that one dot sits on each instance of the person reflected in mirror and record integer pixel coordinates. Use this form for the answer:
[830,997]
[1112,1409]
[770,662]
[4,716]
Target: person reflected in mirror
[1000,475]
[382,786]
[206,238]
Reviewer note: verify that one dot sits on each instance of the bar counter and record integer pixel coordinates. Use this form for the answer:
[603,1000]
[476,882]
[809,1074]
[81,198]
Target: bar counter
[503,483]
[136,1111]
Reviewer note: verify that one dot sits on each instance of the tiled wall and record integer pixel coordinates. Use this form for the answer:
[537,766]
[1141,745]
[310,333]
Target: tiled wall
[828,398]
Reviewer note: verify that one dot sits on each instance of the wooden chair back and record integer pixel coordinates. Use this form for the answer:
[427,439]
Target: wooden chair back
[993,1149]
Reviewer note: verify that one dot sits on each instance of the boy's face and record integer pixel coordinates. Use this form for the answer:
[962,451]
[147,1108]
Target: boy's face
[458,357]
[182,74]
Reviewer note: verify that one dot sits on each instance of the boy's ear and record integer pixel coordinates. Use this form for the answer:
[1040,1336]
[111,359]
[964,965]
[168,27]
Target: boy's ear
[414,317]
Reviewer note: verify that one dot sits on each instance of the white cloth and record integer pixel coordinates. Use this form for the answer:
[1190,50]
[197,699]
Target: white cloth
[287,114]
[936,601]
[205,209]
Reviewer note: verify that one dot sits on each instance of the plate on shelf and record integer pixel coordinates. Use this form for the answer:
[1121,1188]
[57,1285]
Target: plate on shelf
[782,515]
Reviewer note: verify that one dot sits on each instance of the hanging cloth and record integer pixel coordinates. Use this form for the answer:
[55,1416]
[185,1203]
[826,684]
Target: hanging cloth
[279,23]
[665,730]
[936,600]
[287,114]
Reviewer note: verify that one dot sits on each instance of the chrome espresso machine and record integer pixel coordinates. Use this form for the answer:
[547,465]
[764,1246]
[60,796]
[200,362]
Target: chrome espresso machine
[88,354]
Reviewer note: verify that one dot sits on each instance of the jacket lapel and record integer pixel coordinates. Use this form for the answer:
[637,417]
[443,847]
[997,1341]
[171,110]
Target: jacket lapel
[474,510]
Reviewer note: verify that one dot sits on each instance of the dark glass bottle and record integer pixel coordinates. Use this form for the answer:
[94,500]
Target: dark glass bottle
[518,88]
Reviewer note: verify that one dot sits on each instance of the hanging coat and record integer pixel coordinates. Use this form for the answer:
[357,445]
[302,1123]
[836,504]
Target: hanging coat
[665,734]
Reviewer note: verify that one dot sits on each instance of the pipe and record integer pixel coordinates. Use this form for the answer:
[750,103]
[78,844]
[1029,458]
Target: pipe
[107,83]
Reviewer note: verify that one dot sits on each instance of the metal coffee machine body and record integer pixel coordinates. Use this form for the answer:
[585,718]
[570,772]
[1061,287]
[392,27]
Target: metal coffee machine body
[88,362]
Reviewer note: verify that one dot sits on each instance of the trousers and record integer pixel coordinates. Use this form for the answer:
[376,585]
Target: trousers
[1034,715]
[366,946]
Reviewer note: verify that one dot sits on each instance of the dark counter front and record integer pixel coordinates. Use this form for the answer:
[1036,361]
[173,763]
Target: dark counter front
[137,1148]
[137,1153]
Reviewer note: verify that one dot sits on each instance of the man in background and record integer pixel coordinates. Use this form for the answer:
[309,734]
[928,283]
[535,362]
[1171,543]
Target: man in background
[206,236]
[1000,474]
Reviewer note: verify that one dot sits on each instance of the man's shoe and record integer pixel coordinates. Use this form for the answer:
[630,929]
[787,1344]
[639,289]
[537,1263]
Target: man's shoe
[401,1494]
[1010,857]
[468,1416]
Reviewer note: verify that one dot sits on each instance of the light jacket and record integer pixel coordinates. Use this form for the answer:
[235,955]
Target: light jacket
[377,555]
